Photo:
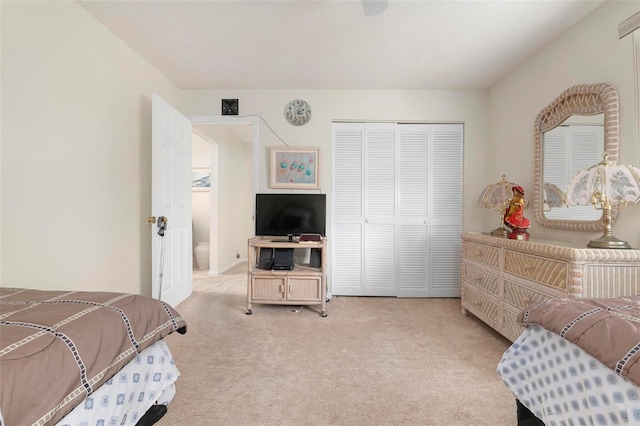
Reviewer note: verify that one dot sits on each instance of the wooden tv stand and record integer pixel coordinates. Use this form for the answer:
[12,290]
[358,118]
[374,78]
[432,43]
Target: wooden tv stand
[304,285]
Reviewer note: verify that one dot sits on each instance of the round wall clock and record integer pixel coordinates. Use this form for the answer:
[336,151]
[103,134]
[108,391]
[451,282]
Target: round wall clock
[297,112]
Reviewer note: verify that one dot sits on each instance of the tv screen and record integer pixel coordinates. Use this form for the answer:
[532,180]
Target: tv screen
[290,214]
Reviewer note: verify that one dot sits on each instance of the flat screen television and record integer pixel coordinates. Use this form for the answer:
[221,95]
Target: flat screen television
[290,214]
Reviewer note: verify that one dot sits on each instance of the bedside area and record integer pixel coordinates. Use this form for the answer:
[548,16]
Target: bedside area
[499,277]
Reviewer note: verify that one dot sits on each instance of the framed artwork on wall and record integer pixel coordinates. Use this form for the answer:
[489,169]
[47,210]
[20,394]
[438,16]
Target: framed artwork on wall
[201,179]
[294,168]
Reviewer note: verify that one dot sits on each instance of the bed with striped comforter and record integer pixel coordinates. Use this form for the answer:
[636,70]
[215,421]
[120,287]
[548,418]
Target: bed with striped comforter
[58,347]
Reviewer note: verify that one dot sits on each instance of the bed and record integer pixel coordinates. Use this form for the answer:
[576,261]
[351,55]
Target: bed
[576,363]
[95,358]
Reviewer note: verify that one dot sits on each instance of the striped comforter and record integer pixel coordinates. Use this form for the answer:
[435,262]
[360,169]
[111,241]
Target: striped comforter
[608,328]
[57,347]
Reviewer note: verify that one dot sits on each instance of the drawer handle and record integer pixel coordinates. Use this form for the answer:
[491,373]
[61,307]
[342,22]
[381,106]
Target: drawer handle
[281,288]
[528,267]
[525,300]
[477,303]
[477,280]
[478,252]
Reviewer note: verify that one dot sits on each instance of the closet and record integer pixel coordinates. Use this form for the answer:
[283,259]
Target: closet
[396,209]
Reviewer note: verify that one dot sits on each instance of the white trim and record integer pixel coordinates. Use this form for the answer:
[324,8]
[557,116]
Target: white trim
[629,25]
[636,83]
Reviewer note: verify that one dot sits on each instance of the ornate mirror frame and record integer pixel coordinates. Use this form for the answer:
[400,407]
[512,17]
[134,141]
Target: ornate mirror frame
[581,99]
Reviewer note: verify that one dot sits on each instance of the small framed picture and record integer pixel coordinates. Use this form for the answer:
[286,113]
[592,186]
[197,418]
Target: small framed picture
[201,179]
[294,168]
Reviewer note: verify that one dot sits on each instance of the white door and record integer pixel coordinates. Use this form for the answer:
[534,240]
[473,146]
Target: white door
[445,194]
[171,198]
[380,192]
[347,236]
[413,218]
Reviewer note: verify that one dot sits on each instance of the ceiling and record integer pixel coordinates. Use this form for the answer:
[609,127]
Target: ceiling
[321,44]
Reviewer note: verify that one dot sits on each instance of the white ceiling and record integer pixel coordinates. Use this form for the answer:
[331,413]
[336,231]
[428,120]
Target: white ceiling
[321,44]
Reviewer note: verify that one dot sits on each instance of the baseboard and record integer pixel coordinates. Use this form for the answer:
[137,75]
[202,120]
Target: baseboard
[234,264]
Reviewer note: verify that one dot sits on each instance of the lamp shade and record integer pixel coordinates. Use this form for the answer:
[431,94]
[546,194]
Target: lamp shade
[605,185]
[619,184]
[553,196]
[497,195]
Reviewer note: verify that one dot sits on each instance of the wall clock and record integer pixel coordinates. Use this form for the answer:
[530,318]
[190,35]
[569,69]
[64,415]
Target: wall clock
[229,107]
[297,112]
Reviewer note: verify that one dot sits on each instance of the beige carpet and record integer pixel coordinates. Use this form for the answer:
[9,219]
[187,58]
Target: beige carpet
[371,361]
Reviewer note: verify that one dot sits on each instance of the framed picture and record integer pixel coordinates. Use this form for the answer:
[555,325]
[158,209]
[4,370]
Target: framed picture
[201,179]
[294,168]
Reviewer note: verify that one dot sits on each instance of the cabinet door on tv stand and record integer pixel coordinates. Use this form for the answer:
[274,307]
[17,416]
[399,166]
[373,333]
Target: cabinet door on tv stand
[305,289]
[267,288]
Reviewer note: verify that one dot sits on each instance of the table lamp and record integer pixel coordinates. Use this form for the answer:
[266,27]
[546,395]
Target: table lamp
[605,185]
[497,196]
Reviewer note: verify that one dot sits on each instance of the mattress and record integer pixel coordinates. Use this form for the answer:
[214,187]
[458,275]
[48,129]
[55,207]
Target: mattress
[562,385]
[124,398]
[57,348]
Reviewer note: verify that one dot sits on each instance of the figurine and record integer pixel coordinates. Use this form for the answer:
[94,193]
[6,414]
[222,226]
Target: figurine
[514,216]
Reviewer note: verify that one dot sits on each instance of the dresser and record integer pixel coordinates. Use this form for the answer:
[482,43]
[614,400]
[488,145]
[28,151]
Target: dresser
[500,277]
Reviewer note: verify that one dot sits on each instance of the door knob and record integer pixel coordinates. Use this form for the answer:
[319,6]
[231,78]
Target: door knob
[151,219]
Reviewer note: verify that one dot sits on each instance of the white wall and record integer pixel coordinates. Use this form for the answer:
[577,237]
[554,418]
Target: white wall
[234,202]
[589,52]
[469,107]
[76,152]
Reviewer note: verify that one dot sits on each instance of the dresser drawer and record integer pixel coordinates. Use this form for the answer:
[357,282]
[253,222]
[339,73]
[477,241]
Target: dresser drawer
[480,253]
[541,270]
[481,306]
[485,280]
[522,296]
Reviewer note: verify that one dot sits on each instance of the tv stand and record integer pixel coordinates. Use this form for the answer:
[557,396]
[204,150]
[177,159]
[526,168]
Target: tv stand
[303,285]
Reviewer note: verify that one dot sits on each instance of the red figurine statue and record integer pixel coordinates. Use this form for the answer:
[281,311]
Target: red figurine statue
[514,216]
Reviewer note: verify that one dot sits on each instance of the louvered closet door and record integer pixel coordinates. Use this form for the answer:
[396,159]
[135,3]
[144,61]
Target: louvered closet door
[380,210]
[556,154]
[413,210]
[347,236]
[445,225]
[584,143]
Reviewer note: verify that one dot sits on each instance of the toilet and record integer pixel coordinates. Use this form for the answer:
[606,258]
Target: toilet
[201,254]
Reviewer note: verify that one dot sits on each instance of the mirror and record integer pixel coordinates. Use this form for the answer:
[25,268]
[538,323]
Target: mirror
[577,143]
[571,133]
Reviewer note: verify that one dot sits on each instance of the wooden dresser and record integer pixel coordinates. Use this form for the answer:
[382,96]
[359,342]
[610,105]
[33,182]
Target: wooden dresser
[500,277]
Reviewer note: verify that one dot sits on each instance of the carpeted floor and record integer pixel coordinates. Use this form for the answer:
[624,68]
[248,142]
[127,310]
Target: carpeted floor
[371,361]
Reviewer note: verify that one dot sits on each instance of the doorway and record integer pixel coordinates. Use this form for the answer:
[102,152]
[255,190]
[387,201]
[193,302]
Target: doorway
[222,214]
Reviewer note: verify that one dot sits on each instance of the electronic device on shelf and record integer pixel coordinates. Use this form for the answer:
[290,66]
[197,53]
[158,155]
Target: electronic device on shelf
[310,238]
[290,215]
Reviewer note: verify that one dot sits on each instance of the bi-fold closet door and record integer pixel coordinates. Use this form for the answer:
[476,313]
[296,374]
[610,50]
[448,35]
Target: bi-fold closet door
[396,209]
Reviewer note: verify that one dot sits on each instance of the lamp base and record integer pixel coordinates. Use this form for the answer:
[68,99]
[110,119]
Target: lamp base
[501,232]
[519,234]
[608,242]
